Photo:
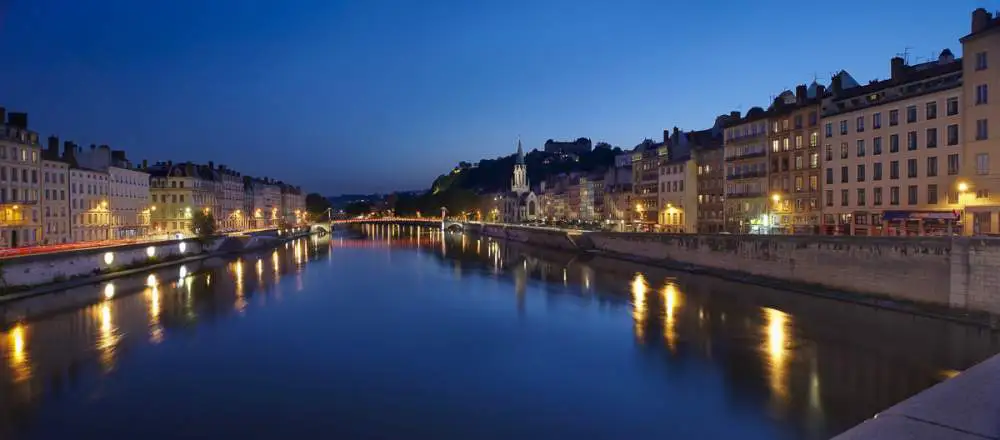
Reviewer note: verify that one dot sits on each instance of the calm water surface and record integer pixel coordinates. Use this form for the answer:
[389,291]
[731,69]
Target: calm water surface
[400,332]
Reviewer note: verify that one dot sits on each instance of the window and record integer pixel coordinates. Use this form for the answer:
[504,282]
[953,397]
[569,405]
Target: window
[877,121]
[829,197]
[799,183]
[911,141]
[980,60]
[911,114]
[877,196]
[861,197]
[843,197]
[983,164]
[829,129]
[813,160]
[813,118]
[952,104]
[861,124]
[813,183]
[784,144]
[861,148]
[894,170]
[894,143]
[893,118]
[775,146]
[877,146]
[829,152]
[931,138]
[982,131]
[932,197]
[843,126]
[877,171]
[894,195]
[843,175]
[931,110]
[798,141]
[911,168]
[814,139]
[911,195]
[932,166]
[843,150]
[798,121]
[861,173]
[952,164]
[953,134]
[982,94]
[798,161]
[829,176]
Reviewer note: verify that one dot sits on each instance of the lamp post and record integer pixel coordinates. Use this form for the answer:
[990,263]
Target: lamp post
[776,198]
[962,189]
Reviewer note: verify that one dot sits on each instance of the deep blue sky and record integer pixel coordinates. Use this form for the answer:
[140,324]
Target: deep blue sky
[377,95]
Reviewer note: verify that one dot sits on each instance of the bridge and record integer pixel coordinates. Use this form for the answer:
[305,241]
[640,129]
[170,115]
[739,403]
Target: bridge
[447,224]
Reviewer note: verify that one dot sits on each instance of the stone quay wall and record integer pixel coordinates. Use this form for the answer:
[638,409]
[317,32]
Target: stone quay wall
[960,274]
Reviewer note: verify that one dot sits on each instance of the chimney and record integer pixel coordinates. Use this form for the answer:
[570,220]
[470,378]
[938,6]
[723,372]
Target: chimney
[170,164]
[897,67]
[666,135]
[835,84]
[145,164]
[211,165]
[3,115]
[801,92]
[189,168]
[53,149]
[69,150]
[734,115]
[980,20]
[820,91]
[17,119]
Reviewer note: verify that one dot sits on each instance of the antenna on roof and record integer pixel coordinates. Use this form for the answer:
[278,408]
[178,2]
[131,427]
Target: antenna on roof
[905,54]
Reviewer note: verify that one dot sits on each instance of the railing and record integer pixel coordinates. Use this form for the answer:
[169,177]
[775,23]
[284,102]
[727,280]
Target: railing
[744,195]
[746,175]
[746,156]
[388,220]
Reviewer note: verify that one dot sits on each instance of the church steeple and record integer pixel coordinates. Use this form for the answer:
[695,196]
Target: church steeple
[519,184]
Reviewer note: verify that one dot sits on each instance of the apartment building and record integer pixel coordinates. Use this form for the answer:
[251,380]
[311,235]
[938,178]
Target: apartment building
[129,198]
[892,151]
[979,187]
[746,202]
[794,173]
[618,194]
[176,191]
[678,195]
[89,184]
[266,195]
[293,204]
[710,178]
[646,159]
[20,187]
[55,203]
[229,194]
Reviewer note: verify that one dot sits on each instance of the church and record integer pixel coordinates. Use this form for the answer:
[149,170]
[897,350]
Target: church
[520,204]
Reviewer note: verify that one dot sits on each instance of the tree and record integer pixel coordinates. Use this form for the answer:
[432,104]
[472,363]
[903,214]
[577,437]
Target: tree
[317,205]
[354,209]
[203,224]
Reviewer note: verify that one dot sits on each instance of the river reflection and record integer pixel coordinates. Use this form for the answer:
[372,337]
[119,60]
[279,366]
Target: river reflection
[527,343]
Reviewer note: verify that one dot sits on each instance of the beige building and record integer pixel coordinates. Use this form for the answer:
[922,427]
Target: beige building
[980,122]
[176,191]
[747,208]
[293,204]
[678,196]
[130,199]
[55,201]
[646,158]
[89,187]
[794,174]
[230,195]
[892,151]
[266,196]
[710,179]
[20,186]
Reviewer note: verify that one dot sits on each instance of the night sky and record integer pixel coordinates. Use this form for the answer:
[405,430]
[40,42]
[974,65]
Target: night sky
[378,95]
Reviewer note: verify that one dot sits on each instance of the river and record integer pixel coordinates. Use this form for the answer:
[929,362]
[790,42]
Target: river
[405,332]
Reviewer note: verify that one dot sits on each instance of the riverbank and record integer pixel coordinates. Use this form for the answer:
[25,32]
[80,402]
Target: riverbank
[197,250]
[952,279]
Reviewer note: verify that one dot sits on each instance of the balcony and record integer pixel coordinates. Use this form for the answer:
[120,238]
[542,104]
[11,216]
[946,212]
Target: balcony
[746,175]
[745,195]
[751,155]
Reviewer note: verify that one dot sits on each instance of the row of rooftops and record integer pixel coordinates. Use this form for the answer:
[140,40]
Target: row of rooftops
[101,157]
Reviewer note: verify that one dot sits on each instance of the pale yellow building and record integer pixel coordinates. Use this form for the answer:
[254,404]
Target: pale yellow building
[20,185]
[892,151]
[55,197]
[678,196]
[980,122]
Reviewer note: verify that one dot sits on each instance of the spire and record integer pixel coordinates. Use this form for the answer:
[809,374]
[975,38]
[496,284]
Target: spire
[520,152]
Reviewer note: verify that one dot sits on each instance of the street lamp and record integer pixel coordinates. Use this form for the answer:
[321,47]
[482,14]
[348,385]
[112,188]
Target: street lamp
[963,188]
[777,199]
